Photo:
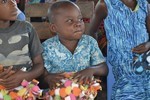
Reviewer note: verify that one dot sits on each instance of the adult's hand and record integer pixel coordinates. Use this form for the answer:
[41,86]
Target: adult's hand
[142,48]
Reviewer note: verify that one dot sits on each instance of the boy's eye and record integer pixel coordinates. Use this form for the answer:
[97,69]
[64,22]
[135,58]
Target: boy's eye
[3,1]
[69,20]
[80,19]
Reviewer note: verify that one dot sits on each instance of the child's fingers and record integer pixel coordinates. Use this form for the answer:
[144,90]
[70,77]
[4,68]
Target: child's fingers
[9,74]
[52,85]
[1,68]
[8,81]
[60,75]
[11,86]
[8,70]
[86,80]
[5,72]
[81,79]
[76,75]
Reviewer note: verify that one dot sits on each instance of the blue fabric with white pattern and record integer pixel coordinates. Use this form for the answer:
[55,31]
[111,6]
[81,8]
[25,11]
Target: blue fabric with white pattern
[126,29]
[57,58]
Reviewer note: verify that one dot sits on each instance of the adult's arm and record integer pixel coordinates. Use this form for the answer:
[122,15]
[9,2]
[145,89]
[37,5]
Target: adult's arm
[148,20]
[100,14]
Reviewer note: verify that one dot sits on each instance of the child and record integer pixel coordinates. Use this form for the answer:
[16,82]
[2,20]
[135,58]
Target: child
[127,25]
[20,48]
[70,50]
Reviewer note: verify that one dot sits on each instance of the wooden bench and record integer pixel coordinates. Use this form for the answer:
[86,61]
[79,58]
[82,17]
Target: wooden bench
[40,10]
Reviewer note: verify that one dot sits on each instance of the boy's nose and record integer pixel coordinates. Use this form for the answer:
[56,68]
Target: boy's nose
[78,23]
[13,2]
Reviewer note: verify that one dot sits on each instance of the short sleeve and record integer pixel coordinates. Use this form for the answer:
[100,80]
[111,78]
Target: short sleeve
[35,46]
[96,54]
[46,54]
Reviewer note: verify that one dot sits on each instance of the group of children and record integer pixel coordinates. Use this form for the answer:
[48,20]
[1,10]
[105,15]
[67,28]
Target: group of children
[69,51]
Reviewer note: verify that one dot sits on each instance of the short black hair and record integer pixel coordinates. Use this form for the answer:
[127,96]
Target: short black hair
[58,5]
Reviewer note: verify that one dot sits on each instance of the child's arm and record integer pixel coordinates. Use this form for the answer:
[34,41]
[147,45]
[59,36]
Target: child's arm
[97,65]
[88,73]
[100,13]
[15,80]
[50,76]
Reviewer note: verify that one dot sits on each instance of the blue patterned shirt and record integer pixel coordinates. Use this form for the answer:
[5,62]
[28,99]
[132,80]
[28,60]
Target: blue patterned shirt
[57,58]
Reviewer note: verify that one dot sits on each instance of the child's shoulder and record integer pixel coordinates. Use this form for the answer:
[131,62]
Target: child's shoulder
[52,40]
[88,38]
[27,23]
[24,24]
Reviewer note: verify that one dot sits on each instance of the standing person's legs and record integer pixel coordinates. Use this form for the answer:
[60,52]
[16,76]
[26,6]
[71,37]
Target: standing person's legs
[110,82]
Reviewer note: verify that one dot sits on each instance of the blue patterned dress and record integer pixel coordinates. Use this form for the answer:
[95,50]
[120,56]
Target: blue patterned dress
[126,29]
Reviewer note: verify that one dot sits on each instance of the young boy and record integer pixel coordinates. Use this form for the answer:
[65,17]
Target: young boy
[70,50]
[20,48]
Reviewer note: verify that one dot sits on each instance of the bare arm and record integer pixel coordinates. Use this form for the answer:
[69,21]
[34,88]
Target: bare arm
[88,73]
[100,13]
[37,68]
[15,79]
[148,20]
[100,70]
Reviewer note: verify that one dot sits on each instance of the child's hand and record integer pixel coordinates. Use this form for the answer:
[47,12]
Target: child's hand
[142,48]
[53,78]
[84,76]
[13,81]
[6,73]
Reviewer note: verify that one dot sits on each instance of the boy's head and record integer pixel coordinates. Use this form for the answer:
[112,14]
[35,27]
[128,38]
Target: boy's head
[66,19]
[8,10]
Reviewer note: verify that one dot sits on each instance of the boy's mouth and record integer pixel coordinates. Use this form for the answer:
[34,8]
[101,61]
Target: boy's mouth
[78,31]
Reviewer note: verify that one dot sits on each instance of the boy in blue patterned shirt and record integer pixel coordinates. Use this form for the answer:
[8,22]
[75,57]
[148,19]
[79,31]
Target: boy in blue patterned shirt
[70,50]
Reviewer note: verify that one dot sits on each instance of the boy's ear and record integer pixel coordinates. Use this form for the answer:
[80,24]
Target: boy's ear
[52,27]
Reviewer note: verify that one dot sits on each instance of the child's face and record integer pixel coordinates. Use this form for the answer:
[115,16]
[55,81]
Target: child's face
[69,23]
[8,10]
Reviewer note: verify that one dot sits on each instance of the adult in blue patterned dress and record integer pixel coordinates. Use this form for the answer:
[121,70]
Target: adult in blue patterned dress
[127,25]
